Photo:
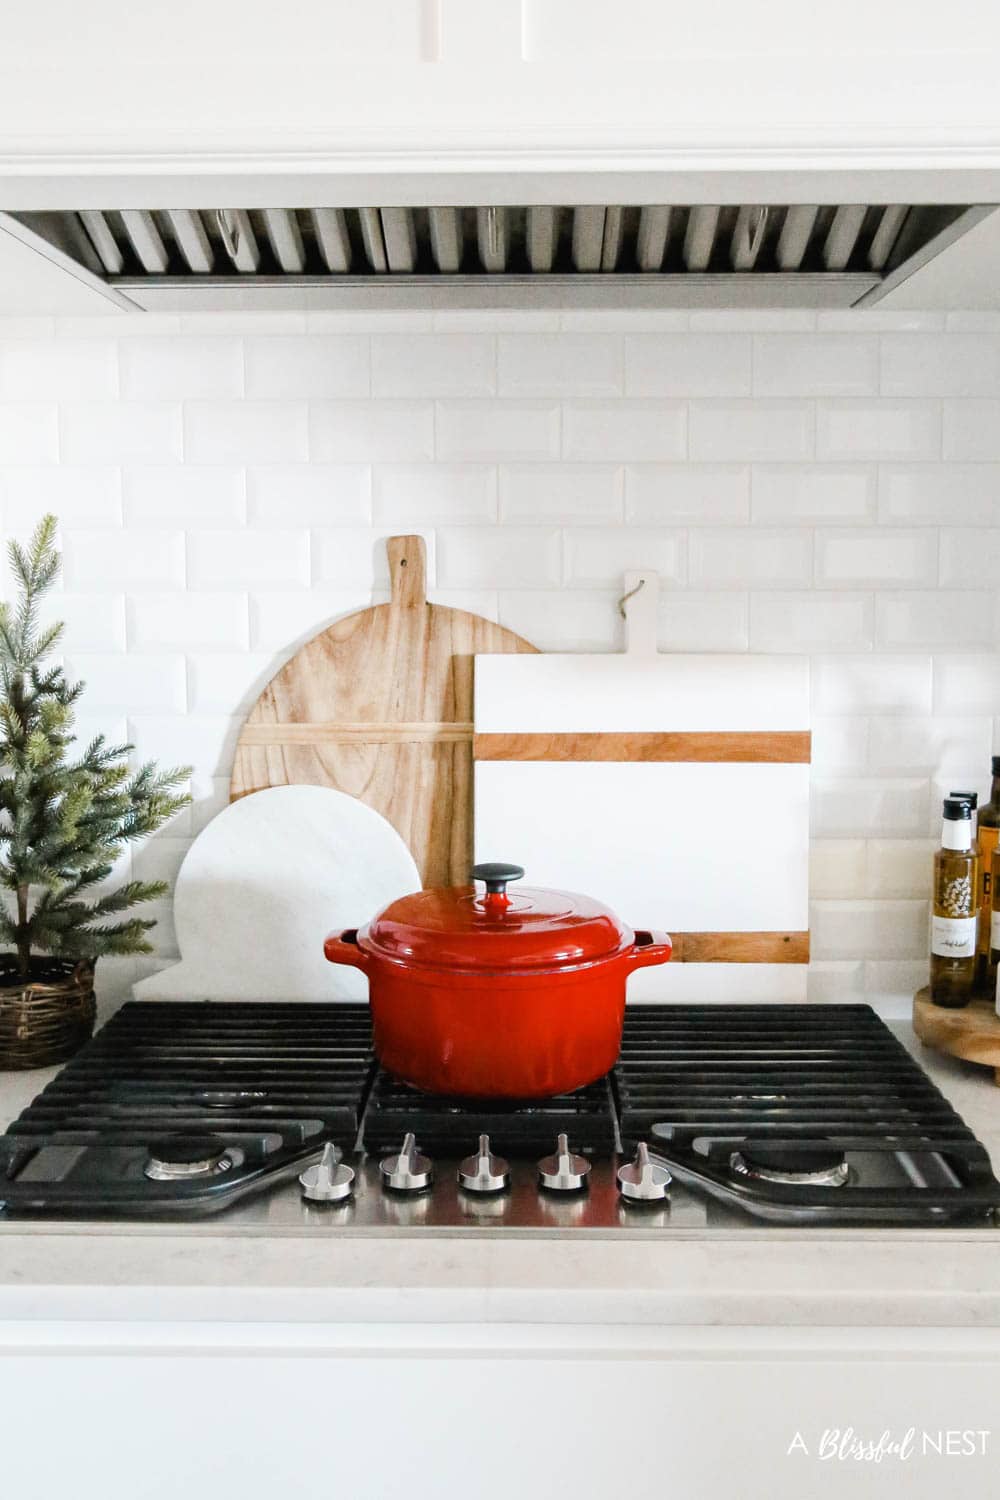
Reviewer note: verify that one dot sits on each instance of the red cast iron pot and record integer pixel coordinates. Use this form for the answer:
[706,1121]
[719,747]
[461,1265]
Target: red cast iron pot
[492,995]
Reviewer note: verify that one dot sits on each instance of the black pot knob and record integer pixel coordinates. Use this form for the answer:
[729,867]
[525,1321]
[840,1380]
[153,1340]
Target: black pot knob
[496,876]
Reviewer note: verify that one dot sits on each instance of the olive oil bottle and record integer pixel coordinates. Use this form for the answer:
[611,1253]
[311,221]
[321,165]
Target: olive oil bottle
[987,835]
[993,968]
[954,917]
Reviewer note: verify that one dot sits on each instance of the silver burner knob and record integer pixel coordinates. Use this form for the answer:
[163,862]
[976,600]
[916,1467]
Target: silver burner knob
[409,1172]
[330,1180]
[644,1179]
[483,1172]
[564,1172]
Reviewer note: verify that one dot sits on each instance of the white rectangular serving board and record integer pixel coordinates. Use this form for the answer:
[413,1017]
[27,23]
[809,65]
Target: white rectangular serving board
[693,846]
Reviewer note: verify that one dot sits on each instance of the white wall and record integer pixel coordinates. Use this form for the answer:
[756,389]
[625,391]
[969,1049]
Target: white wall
[821,483]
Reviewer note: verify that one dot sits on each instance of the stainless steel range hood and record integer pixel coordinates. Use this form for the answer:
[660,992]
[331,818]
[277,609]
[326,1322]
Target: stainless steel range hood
[612,255]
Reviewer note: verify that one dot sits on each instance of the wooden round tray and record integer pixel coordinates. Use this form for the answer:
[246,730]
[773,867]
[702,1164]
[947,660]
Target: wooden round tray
[972,1033]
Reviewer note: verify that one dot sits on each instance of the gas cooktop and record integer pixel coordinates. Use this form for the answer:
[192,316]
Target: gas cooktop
[714,1114]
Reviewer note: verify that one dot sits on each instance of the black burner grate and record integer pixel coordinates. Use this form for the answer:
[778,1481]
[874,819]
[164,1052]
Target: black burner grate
[515,1127]
[775,1070]
[266,1083]
[704,1084]
[157,1068]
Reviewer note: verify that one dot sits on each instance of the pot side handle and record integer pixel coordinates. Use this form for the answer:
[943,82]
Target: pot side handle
[650,948]
[342,948]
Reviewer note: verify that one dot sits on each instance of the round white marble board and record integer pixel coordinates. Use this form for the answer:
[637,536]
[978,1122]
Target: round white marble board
[264,883]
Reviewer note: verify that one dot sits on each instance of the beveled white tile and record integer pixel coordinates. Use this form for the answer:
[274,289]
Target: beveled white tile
[878,429]
[687,494]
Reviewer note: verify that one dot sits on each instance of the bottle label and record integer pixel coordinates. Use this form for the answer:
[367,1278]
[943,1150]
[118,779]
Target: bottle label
[995,930]
[953,937]
[987,844]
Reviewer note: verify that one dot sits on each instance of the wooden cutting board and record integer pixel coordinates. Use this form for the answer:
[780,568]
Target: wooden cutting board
[379,705]
[673,787]
[972,1032]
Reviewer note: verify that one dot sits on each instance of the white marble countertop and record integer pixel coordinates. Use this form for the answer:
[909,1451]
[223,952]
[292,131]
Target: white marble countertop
[892,1278]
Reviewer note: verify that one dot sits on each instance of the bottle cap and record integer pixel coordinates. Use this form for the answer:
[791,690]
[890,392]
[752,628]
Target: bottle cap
[972,798]
[995,763]
[955,809]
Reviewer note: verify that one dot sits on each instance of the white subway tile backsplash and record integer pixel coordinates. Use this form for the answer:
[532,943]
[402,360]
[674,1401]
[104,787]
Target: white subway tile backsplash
[945,744]
[939,494]
[226,485]
[93,622]
[812,494]
[160,858]
[895,977]
[433,364]
[55,369]
[687,494]
[563,619]
[497,430]
[687,364]
[871,684]
[577,364]
[970,558]
[835,982]
[284,369]
[174,495]
[221,681]
[815,364]
[724,430]
[689,620]
[561,494]
[840,745]
[968,684]
[126,683]
[868,806]
[254,432]
[922,619]
[505,557]
[351,557]
[837,869]
[207,741]
[29,433]
[123,559]
[870,929]
[408,495]
[123,432]
[204,621]
[751,558]
[248,559]
[160,369]
[597,559]
[366,431]
[806,621]
[944,364]
[281,620]
[636,431]
[878,429]
[899,867]
[79,497]
[309,495]
[972,430]
[873,559]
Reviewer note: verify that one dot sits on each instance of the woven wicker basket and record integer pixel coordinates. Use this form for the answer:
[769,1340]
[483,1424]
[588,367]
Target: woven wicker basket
[47,1018]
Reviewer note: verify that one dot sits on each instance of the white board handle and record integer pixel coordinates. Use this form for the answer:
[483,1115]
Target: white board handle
[640,605]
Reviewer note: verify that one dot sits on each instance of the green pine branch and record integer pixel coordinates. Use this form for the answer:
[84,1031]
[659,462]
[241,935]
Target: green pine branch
[65,815]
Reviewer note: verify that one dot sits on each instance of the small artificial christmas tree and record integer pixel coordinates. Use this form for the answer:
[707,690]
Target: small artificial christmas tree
[64,818]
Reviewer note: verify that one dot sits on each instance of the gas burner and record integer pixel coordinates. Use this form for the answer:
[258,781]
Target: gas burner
[791,1163]
[181,1156]
[230,1100]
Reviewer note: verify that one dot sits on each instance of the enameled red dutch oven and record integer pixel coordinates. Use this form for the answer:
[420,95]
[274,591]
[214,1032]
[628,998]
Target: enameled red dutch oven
[491,995]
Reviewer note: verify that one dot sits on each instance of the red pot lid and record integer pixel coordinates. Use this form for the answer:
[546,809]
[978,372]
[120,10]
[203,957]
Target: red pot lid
[471,928]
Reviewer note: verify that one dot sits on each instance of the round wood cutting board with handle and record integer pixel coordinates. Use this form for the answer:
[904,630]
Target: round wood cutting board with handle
[379,705]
